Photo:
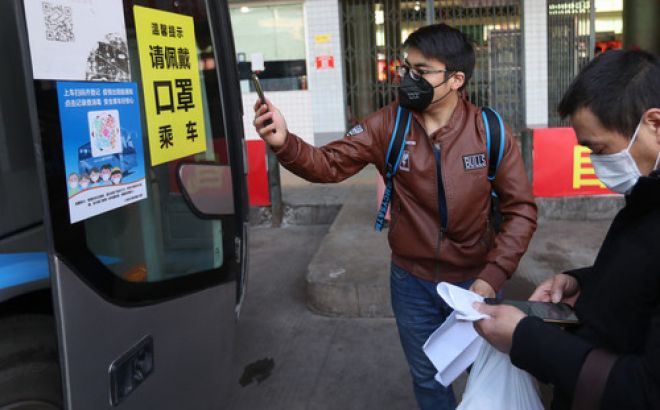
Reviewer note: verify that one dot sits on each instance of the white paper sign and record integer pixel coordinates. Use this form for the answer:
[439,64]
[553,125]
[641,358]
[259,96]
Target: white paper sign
[257,60]
[82,40]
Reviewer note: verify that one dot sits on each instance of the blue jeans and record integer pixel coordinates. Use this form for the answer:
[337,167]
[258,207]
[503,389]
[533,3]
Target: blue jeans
[419,311]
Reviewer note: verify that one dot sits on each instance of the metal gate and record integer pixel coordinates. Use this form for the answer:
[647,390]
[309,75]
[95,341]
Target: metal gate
[571,42]
[373,31]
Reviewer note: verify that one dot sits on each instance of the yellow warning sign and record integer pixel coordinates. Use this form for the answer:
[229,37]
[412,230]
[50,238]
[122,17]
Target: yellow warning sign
[322,38]
[170,83]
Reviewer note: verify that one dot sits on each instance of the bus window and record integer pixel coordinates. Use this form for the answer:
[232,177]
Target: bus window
[159,240]
[23,258]
[20,206]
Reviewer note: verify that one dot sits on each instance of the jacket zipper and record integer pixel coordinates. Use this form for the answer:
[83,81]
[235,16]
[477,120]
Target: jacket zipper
[442,199]
[442,204]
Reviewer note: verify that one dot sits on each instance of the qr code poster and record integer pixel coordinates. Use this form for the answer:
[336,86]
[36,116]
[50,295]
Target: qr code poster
[102,146]
[81,40]
[58,22]
[104,132]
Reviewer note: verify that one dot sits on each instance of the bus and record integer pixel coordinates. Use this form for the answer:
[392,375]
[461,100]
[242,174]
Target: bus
[135,306]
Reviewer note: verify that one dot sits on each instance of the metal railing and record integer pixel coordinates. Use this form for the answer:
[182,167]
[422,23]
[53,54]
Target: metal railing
[374,30]
[571,42]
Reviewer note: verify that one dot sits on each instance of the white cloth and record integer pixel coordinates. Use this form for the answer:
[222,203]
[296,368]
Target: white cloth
[455,344]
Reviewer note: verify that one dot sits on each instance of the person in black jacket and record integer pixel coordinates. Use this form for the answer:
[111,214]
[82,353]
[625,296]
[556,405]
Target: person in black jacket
[612,359]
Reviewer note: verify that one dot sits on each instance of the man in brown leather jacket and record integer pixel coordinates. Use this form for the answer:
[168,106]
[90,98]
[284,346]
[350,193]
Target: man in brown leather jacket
[440,228]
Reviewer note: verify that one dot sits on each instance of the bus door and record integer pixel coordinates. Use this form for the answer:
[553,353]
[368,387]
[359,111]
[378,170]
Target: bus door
[147,248]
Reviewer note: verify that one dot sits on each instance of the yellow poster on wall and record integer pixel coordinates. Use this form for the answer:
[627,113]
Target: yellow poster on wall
[170,83]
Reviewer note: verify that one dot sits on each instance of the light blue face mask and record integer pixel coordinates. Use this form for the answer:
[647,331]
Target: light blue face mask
[618,171]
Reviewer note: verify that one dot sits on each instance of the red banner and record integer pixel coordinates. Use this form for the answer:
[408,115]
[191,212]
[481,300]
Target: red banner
[257,174]
[562,167]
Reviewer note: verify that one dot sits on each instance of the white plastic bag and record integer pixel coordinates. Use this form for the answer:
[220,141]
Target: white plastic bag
[496,384]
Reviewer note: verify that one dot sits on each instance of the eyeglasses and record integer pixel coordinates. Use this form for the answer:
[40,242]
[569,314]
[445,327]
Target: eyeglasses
[416,73]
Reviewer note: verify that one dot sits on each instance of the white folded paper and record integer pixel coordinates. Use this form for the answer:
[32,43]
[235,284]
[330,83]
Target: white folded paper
[452,348]
[455,344]
[461,301]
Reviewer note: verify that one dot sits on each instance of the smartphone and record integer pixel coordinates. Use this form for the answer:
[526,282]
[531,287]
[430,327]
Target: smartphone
[558,313]
[260,93]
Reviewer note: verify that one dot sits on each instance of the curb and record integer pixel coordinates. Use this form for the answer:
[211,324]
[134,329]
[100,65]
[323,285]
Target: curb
[318,214]
[349,274]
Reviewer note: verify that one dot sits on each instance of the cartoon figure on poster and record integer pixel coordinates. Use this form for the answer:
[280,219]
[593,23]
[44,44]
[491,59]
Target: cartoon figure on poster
[102,143]
[104,132]
[74,188]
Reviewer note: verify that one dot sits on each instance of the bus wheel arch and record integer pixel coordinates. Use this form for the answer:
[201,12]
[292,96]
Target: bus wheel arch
[29,356]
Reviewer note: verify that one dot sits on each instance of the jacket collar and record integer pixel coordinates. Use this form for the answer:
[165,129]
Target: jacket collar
[453,127]
[646,191]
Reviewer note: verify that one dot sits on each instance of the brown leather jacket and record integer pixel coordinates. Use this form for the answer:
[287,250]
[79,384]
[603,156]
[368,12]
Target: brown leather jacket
[440,228]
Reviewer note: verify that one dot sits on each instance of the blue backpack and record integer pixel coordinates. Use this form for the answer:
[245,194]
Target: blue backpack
[494,132]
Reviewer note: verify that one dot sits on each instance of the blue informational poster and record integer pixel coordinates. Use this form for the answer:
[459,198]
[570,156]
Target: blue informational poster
[102,143]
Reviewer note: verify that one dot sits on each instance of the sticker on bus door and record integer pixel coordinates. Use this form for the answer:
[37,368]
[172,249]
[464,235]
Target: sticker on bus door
[171,84]
[102,144]
[77,40]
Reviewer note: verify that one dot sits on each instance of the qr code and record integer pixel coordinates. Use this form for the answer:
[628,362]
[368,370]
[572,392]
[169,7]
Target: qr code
[58,22]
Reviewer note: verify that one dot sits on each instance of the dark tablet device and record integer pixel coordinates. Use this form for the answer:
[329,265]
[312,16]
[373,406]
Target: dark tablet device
[559,313]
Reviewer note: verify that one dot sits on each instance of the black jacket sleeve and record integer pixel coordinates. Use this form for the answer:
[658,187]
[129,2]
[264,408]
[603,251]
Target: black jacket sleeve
[549,353]
[634,382]
[580,274]
[556,356]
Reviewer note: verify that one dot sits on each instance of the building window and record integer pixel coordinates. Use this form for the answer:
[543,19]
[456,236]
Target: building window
[276,34]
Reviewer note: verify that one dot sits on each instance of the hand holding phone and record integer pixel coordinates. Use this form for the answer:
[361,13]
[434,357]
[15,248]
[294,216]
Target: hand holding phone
[260,93]
[558,288]
[558,313]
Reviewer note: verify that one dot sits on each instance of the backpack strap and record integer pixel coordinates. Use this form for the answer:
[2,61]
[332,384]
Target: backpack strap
[495,134]
[393,159]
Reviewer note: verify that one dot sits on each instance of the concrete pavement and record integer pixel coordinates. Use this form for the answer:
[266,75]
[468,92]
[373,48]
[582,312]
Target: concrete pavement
[321,363]
[349,275]
[349,356]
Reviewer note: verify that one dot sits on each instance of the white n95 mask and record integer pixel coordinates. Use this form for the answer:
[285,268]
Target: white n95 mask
[619,171]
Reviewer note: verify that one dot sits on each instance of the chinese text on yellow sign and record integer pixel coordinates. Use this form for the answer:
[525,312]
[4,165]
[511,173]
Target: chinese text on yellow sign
[583,170]
[171,85]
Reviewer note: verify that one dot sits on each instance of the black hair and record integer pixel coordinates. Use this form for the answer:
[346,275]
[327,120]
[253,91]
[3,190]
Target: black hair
[618,87]
[445,44]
